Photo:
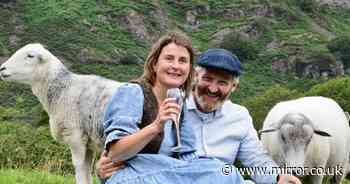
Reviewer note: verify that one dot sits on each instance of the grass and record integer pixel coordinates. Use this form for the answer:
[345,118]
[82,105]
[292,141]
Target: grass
[10,176]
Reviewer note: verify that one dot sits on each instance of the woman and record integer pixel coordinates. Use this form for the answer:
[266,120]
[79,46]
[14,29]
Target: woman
[135,126]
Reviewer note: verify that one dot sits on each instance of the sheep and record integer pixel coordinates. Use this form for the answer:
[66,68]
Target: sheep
[309,132]
[75,103]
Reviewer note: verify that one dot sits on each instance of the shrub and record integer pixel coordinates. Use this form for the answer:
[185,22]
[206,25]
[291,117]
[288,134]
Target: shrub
[260,105]
[325,62]
[9,114]
[309,6]
[285,14]
[340,47]
[337,89]
[3,49]
[263,26]
[25,147]
[130,59]
[243,48]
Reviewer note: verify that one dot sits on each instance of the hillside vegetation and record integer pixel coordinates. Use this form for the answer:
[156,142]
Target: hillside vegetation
[289,48]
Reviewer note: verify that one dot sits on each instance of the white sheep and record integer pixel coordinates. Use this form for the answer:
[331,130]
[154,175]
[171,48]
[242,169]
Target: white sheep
[75,103]
[309,132]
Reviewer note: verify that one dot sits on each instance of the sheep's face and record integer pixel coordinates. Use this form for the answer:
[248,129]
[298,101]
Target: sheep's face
[22,65]
[295,135]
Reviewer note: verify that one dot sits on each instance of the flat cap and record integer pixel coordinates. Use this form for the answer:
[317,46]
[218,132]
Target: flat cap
[220,59]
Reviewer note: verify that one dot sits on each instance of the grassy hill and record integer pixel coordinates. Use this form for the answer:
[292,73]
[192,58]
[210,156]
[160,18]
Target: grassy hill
[112,37]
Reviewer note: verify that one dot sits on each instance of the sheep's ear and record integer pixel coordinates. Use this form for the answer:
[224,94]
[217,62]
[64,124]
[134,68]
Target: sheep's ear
[347,115]
[267,131]
[273,127]
[322,133]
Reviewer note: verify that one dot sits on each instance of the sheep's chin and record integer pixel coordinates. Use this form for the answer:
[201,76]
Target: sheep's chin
[4,76]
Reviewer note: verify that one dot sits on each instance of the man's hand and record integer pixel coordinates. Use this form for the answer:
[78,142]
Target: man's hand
[288,179]
[105,167]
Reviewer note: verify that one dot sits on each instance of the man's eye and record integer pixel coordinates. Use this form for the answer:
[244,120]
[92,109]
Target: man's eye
[222,83]
[30,56]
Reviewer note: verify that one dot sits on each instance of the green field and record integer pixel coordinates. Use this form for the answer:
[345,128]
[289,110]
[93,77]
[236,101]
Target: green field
[34,177]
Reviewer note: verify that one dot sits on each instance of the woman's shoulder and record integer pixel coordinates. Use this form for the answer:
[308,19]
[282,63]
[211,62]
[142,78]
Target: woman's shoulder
[130,88]
[127,92]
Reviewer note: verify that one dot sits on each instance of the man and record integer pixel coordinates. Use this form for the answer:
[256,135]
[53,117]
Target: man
[223,130]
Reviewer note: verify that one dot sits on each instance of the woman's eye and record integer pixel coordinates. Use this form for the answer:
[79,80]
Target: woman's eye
[168,58]
[206,78]
[183,61]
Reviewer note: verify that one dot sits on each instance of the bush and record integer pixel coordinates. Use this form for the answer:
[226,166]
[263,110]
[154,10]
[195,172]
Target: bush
[263,26]
[325,62]
[309,6]
[285,14]
[260,105]
[25,147]
[337,89]
[243,48]
[340,47]
[130,59]
[3,49]
[9,114]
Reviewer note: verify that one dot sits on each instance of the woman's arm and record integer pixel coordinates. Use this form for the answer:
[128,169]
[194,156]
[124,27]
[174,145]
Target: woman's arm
[124,113]
[130,145]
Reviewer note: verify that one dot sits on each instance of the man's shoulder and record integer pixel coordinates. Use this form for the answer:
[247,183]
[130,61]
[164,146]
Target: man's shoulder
[229,106]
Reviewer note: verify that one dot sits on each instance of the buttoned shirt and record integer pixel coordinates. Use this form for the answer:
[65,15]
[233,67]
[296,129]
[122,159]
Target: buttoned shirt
[228,133]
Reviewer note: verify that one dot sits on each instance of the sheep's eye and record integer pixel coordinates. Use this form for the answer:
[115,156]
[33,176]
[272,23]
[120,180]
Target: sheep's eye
[283,138]
[30,56]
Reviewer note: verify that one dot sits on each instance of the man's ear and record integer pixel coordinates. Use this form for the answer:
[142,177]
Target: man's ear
[234,88]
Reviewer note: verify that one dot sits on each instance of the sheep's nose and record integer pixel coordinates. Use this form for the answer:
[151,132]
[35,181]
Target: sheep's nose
[2,68]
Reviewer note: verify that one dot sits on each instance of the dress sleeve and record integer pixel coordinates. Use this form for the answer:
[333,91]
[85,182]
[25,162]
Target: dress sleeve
[123,113]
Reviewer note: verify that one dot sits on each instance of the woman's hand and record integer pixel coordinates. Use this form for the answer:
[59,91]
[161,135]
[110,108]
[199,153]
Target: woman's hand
[288,179]
[105,167]
[168,109]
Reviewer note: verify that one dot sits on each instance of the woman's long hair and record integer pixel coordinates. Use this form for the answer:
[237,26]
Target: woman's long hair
[172,37]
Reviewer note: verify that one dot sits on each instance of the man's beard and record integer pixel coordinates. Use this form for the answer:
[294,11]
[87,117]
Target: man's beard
[210,107]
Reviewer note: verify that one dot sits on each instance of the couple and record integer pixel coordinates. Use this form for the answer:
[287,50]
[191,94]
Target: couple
[213,130]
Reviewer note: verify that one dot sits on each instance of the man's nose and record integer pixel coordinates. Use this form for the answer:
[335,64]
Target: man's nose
[213,88]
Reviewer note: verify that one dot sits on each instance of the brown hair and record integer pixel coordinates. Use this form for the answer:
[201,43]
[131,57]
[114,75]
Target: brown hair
[172,37]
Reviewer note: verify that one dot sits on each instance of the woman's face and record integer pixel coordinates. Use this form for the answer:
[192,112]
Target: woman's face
[173,66]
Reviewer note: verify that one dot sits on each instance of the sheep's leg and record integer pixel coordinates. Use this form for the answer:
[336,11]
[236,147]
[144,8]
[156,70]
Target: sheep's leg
[89,162]
[336,179]
[79,157]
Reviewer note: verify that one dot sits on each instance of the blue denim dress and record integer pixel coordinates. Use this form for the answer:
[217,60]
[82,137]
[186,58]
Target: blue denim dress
[122,116]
